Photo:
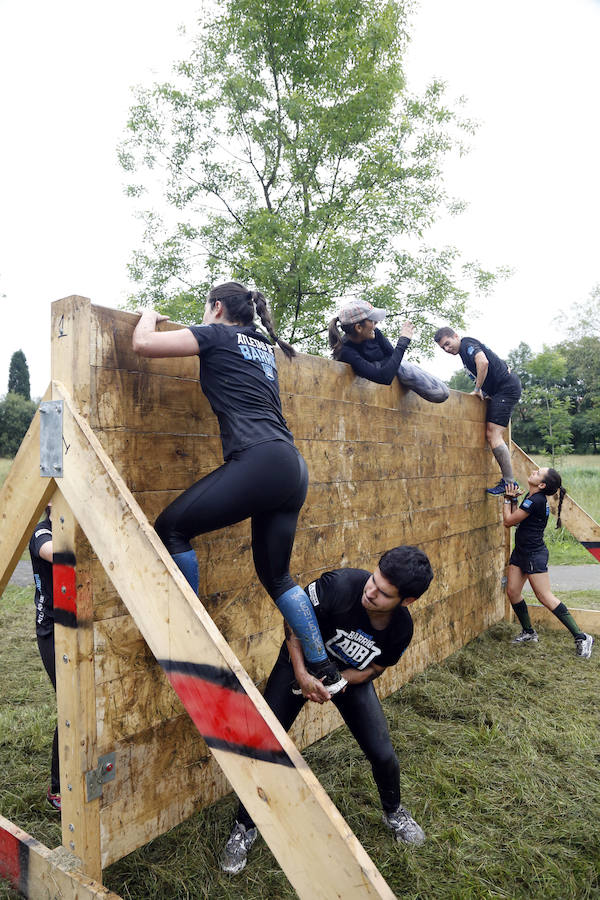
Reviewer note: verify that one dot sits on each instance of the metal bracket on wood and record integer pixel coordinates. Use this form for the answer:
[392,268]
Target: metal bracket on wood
[51,439]
[95,778]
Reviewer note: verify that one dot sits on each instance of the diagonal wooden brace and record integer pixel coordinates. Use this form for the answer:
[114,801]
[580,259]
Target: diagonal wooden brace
[314,846]
[574,518]
[23,496]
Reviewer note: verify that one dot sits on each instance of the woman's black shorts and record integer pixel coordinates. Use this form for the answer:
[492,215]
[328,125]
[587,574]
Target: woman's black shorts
[532,562]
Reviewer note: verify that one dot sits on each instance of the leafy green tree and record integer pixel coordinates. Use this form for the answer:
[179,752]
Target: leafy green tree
[18,375]
[583,368]
[293,158]
[460,381]
[550,402]
[16,413]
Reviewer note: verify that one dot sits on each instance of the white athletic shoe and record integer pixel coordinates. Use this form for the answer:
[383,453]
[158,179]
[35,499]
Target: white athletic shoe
[583,646]
[235,852]
[526,636]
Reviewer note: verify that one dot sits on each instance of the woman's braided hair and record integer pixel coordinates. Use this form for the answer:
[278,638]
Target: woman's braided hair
[553,483]
[242,305]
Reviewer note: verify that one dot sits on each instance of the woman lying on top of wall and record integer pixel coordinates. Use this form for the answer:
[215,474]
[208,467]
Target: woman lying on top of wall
[263,477]
[371,355]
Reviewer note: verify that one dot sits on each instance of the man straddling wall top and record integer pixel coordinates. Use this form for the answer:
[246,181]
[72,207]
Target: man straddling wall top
[495,381]
[366,626]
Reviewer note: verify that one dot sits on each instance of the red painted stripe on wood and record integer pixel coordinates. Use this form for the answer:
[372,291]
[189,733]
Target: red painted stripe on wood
[64,588]
[10,867]
[218,712]
[595,551]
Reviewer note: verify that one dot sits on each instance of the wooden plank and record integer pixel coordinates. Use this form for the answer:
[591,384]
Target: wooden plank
[308,376]
[73,616]
[38,872]
[166,461]
[587,619]
[111,336]
[150,403]
[23,497]
[76,703]
[153,402]
[286,801]
[574,518]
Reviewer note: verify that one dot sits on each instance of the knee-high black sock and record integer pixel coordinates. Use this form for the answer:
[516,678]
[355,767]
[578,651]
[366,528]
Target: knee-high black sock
[563,615]
[522,614]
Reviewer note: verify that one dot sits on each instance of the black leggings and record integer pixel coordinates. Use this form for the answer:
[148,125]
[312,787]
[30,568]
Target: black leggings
[361,711]
[46,648]
[267,483]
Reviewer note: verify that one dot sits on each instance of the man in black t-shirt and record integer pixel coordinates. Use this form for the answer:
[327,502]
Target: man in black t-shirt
[494,381]
[40,549]
[366,627]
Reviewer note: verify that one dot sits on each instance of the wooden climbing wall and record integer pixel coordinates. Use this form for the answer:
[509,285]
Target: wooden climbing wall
[386,468]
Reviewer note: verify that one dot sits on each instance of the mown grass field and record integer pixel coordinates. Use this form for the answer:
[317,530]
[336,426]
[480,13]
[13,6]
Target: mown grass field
[581,478]
[499,752]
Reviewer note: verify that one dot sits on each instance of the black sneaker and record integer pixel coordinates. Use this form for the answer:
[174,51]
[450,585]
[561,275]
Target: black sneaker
[328,673]
[404,827]
[498,489]
[235,852]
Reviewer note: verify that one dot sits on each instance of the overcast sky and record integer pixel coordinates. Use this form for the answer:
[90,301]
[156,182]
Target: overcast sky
[529,69]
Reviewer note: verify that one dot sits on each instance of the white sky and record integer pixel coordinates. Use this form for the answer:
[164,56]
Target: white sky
[529,69]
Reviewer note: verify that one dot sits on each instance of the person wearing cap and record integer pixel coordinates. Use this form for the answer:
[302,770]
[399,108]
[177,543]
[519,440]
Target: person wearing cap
[372,356]
[493,381]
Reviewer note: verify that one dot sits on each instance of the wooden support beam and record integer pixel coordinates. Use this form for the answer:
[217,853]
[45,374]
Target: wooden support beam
[23,497]
[76,692]
[574,518]
[314,846]
[37,872]
[587,619]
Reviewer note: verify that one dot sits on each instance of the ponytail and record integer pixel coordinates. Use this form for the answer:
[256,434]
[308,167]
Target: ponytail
[264,315]
[241,306]
[336,339]
[553,483]
[561,497]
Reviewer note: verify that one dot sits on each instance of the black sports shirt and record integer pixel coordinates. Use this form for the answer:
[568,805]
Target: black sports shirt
[375,359]
[238,374]
[529,534]
[497,370]
[347,632]
[42,575]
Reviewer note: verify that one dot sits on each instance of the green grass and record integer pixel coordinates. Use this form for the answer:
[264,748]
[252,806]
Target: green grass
[5,465]
[499,756]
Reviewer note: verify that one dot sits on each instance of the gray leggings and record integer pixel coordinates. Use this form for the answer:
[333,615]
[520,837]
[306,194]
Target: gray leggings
[422,383]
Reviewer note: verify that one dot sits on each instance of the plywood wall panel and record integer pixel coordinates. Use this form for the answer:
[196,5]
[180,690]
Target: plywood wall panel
[385,468]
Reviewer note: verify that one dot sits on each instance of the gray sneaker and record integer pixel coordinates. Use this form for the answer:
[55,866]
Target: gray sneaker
[235,852]
[583,646]
[406,830]
[526,636]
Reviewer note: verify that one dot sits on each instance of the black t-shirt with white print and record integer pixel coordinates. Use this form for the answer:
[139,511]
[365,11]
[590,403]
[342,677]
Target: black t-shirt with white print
[42,575]
[529,534]
[348,635]
[497,369]
[238,374]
